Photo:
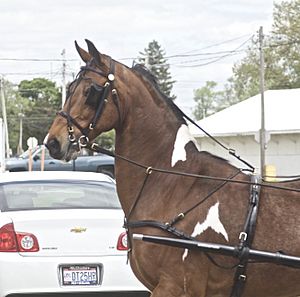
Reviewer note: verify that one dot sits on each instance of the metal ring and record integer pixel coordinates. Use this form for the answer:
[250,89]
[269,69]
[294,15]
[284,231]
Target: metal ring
[181,215]
[72,138]
[149,170]
[83,141]
[70,129]
[90,127]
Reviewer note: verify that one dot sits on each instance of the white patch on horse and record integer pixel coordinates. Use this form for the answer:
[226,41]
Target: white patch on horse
[46,139]
[183,137]
[212,221]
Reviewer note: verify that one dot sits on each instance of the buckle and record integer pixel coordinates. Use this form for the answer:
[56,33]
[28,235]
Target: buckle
[242,277]
[243,236]
[94,146]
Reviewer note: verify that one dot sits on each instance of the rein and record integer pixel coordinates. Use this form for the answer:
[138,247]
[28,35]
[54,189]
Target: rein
[97,149]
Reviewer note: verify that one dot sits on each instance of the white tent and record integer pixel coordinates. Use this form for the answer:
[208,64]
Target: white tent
[282,115]
[238,127]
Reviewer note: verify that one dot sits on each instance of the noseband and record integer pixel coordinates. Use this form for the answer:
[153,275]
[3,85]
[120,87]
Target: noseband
[103,92]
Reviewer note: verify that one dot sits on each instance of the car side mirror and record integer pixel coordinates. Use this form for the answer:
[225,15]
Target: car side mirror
[36,157]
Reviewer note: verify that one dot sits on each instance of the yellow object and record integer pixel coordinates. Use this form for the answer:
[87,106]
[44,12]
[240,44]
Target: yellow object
[270,173]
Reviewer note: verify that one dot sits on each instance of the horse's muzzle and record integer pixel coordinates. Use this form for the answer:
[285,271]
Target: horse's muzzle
[54,148]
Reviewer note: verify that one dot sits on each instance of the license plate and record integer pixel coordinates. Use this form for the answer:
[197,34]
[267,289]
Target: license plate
[80,275]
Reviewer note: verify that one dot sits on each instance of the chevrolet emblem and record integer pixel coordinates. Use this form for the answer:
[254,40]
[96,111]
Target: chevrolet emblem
[78,229]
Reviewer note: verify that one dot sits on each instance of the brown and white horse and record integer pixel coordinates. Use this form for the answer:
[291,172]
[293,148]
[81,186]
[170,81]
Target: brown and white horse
[150,130]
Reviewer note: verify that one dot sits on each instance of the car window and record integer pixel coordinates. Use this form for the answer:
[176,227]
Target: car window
[46,154]
[107,169]
[57,195]
[25,155]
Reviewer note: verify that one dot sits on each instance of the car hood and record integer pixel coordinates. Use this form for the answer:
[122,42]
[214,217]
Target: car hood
[13,160]
[72,232]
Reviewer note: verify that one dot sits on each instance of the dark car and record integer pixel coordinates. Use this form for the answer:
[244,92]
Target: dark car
[96,163]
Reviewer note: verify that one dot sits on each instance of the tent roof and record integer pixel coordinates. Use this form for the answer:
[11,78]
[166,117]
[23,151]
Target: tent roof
[282,115]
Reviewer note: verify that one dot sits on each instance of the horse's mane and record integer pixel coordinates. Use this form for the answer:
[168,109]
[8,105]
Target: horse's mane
[152,80]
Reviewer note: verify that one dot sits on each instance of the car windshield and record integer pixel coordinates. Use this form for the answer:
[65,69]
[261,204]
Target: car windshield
[57,195]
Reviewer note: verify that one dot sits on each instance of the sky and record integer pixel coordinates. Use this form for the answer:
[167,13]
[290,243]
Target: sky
[202,39]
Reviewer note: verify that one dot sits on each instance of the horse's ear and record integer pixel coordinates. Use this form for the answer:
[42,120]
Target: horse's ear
[85,56]
[93,52]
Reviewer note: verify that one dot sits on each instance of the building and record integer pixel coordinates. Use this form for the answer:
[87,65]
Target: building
[238,126]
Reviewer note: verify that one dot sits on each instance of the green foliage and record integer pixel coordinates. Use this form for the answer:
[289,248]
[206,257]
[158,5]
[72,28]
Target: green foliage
[245,81]
[206,99]
[281,55]
[107,140]
[36,101]
[281,49]
[154,59]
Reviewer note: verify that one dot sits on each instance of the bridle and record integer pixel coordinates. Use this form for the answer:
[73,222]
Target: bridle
[102,93]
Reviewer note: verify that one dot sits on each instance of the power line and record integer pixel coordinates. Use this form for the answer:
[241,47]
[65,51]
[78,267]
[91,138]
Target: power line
[218,43]
[209,58]
[230,53]
[198,54]
[36,60]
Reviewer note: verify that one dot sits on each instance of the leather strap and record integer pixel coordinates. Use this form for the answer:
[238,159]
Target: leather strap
[246,238]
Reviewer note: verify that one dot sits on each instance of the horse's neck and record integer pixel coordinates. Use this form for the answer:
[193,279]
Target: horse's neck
[149,130]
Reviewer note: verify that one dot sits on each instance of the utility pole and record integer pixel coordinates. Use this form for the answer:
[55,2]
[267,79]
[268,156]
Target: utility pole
[20,145]
[63,90]
[4,116]
[263,145]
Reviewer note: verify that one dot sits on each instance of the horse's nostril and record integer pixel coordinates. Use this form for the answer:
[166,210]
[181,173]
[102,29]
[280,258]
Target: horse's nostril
[53,147]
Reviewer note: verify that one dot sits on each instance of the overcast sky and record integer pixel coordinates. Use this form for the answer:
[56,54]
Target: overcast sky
[41,29]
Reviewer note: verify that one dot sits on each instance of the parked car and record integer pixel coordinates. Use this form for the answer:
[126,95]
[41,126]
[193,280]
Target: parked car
[61,232]
[96,163]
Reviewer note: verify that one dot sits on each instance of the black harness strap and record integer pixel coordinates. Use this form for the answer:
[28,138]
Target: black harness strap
[246,238]
[71,120]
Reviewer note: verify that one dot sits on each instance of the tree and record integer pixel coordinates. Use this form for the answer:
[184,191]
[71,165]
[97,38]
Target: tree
[15,108]
[245,81]
[281,52]
[106,140]
[207,100]
[42,99]
[154,59]
[285,32]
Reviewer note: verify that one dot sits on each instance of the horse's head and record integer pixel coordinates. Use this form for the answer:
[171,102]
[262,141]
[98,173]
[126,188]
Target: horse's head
[92,106]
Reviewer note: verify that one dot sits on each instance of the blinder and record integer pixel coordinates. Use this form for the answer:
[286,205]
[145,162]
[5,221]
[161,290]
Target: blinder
[94,93]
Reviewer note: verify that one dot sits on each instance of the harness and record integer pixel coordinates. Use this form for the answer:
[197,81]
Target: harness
[241,251]
[246,238]
[102,93]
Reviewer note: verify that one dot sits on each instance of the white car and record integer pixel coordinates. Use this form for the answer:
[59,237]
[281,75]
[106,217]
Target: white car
[61,232]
